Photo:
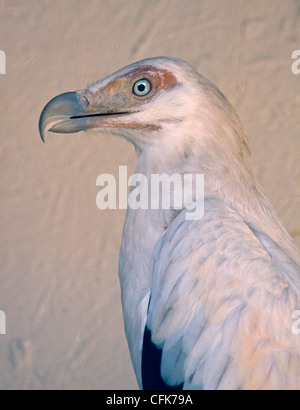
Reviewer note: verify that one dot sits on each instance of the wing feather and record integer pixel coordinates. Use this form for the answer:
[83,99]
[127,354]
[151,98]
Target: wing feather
[221,309]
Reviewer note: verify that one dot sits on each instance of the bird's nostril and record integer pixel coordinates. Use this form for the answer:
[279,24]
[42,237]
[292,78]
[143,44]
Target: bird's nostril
[84,101]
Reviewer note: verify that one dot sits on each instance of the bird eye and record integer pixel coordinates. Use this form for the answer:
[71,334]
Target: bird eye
[142,87]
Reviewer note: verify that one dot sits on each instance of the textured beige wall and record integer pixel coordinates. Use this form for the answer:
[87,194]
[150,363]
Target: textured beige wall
[59,253]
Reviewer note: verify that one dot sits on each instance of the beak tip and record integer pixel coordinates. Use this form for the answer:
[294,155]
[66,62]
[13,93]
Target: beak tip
[41,129]
[56,115]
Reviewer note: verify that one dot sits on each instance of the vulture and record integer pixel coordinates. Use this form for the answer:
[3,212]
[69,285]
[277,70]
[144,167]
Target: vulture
[209,303]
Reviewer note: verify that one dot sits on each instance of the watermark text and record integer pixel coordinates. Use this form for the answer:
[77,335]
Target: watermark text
[2,323]
[2,62]
[157,191]
[296,64]
[296,324]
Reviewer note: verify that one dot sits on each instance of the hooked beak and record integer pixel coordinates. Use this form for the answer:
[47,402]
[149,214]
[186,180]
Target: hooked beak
[71,112]
[58,113]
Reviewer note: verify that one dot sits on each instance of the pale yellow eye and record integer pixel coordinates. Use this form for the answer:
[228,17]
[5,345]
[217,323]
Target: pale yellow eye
[142,87]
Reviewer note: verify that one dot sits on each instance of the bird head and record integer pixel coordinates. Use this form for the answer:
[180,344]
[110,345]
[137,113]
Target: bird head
[161,103]
[138,99]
